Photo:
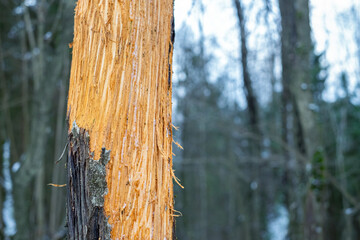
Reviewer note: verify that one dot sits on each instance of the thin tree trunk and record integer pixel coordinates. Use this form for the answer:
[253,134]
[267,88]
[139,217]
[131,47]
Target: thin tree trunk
[339,129]
[252,106]
[120,156]
[203,201]
[340,145]
[57,195]
[32,167]
[25,88]
[5,107]
[249,93]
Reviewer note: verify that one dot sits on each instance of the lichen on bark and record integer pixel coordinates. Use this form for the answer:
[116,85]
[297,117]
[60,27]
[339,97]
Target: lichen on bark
[86,188]
[96,178]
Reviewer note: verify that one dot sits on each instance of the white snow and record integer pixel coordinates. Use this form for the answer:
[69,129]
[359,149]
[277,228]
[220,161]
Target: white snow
[8,208]
[278,226]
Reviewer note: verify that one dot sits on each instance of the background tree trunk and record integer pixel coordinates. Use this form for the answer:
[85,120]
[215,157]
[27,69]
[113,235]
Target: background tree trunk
[256,139]
[296,54]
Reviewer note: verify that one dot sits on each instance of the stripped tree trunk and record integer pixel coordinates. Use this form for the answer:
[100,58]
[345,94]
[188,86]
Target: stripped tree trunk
[119,112]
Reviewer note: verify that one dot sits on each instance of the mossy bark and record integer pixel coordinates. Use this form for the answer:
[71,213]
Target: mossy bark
[86,189]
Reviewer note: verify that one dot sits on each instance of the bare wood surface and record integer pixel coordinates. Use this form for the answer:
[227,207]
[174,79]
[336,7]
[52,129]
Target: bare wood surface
[120,92]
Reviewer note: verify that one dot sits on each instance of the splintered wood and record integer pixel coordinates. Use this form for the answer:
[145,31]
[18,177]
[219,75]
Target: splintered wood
[121,94]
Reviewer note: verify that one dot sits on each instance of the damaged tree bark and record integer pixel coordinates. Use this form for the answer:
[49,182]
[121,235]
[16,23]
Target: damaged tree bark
[119,110]
[86,189]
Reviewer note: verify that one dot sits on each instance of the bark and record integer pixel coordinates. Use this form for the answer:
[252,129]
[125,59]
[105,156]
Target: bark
[287,55]
[25,89]
[254,120]
[340,167]
[35,152]
[249,93]
[296,52]
[87,188]
[120,94]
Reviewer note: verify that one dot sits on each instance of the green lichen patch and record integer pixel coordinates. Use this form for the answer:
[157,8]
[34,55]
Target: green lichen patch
[97,178]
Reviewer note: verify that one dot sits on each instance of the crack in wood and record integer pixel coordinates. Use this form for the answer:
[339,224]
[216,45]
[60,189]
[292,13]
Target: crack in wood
[171,46]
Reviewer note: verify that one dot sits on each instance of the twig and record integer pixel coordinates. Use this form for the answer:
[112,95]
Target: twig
[62,154]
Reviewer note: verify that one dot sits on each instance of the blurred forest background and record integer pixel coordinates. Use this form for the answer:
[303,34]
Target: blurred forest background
[266,102]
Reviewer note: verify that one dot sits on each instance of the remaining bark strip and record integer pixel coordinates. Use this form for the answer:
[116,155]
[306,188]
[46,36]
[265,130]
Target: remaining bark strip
[87,188]
[120,93]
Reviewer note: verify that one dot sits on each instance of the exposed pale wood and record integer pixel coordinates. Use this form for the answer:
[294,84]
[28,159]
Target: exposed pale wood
[120,92]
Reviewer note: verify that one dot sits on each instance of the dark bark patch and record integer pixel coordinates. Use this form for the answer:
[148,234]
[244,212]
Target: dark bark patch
[86,189]
[171,45]
[174,230]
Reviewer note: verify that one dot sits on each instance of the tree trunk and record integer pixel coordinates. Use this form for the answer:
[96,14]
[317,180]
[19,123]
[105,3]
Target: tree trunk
[30,177]
[119,111]
[248,89]
[252,105]
[296,73]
